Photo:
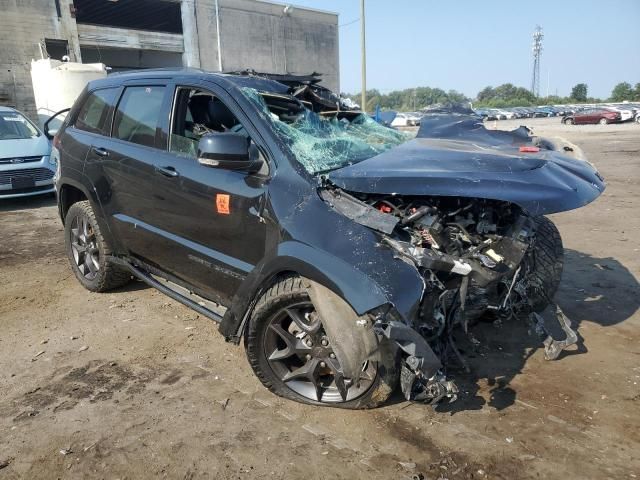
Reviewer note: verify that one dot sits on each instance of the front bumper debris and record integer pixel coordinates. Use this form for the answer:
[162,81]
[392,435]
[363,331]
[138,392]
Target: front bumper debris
[420,377]
[553,347]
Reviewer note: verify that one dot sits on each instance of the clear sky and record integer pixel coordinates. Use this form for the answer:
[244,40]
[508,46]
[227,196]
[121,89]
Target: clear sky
[468,44]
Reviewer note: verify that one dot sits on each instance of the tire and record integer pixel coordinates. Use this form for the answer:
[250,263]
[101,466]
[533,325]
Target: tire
[603,121]
[568,121]
[290,292]
[87,252]
[546,261]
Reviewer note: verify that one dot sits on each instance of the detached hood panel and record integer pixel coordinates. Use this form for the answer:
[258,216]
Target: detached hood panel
[454,155]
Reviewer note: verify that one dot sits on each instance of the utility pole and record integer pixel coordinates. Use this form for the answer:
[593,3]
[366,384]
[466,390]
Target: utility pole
[363,47]
[537,54]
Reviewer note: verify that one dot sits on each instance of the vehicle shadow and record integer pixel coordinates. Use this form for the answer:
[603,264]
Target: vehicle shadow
[598,290]
[23,203]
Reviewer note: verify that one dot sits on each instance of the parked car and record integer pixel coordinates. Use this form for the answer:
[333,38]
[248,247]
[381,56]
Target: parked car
[26,167]
[406,120]
[625,113]
[414,118]
[593,115]
[342,253]
[507,114]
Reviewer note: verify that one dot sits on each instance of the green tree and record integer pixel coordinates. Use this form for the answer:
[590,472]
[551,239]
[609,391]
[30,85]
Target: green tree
[409,99]
[579,92]
[621,92]
[506,95]
[636,92]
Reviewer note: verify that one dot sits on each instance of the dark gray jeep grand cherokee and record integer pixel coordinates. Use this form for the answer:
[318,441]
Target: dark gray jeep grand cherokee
[349,256]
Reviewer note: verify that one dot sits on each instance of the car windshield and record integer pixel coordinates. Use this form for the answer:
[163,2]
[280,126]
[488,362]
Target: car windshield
[324,142]
[14,126]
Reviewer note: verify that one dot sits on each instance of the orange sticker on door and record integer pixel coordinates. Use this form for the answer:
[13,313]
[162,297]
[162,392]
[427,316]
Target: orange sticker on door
[222,203]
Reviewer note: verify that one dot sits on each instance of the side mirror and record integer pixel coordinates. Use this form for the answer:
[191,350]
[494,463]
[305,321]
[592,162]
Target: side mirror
[50,132]
[229,151]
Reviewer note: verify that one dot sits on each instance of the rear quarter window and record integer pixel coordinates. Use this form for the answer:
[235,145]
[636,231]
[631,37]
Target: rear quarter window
[93,114]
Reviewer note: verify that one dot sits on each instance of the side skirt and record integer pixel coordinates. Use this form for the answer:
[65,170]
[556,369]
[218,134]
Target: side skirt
[173,290]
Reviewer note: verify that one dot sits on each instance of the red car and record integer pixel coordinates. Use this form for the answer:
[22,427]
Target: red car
[594,115]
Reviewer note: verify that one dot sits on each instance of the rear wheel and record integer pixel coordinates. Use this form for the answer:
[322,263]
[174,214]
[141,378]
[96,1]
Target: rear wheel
[603,121]
[87,251]
[292,356]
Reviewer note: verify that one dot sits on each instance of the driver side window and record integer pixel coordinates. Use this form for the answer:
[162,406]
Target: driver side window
[195,113]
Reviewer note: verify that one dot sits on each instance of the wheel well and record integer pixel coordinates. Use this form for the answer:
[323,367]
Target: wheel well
[68,196]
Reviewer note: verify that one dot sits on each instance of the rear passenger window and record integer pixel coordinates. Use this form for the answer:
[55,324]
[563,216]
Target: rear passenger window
[138,115]
[94,112]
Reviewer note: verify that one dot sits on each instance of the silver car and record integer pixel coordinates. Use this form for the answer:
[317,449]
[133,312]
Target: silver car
[26,165]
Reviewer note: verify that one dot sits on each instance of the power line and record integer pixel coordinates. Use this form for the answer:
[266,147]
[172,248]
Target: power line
[350,23]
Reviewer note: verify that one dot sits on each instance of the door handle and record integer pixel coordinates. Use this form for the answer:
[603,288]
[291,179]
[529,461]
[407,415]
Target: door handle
[167,171]
[103,152]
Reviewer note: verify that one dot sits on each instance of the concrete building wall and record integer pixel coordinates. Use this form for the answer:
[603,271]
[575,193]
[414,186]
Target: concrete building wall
[254,34]
[261,36]
[23,25]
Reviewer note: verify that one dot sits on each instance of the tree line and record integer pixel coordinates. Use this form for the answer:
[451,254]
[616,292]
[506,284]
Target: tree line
[506,95]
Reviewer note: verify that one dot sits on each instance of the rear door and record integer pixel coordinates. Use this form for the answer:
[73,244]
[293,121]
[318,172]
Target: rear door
[89,125]
[123,165]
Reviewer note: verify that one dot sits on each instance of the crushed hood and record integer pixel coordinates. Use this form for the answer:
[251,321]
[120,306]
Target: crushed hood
[455,155]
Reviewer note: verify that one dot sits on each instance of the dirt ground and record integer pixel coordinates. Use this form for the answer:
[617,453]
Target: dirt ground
[131,384]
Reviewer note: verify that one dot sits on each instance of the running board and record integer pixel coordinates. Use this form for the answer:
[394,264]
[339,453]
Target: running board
[172,290]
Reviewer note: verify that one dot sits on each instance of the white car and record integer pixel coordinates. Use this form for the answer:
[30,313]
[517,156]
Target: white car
[26,166]
[401,120]
[624,113]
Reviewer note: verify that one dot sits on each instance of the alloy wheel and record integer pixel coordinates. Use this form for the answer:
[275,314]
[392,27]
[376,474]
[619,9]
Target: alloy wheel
[300,354]
[84,247]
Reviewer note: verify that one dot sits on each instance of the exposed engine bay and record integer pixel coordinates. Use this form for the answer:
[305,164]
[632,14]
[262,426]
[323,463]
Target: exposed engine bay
[460,203]
[478,257]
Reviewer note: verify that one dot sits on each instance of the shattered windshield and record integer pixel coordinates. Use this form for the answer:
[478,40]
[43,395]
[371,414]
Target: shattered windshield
[325,142]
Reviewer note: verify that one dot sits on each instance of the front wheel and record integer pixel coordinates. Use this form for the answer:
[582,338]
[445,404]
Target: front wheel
[293,357]
[568,121]
[546,261]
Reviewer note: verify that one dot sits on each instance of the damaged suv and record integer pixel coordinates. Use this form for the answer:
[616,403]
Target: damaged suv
[347,256]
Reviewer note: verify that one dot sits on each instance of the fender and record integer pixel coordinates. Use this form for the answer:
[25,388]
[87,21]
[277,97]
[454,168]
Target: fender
[92,197]
[356,287]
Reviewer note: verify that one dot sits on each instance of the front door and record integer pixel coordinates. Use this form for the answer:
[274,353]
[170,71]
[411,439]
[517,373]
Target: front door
[211,216]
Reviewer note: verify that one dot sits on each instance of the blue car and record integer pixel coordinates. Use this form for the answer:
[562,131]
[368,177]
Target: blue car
[26,166]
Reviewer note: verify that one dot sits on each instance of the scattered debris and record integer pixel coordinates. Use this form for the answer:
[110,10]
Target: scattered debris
[509,439]
[5,463]
[408,465]
[35,357]
[83,348]
[86,449]
[66,451]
